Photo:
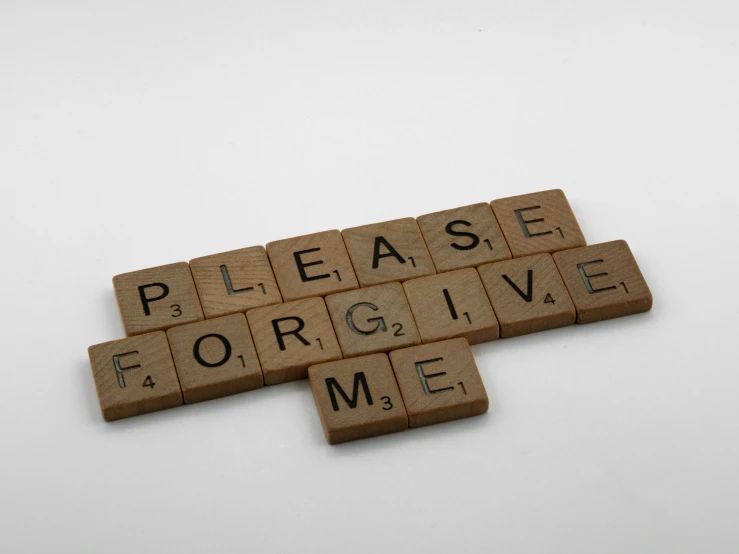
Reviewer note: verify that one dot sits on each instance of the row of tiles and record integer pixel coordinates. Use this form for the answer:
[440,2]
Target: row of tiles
[277,343]
[328,262]
[356,398]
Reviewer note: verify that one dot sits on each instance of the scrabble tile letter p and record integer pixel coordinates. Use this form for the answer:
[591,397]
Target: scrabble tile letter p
[157,298]
[389,251]
[538,223]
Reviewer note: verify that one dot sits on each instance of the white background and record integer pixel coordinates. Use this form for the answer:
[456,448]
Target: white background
[134,134]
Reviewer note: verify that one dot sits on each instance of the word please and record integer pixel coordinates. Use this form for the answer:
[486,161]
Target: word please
[379,317]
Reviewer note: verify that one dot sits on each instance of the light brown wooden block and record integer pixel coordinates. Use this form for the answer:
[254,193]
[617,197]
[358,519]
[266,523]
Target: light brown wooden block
[235,281]
[157,298]
[604,281]
[538,223]
[312,265]
[134,376]
[389,251]
[373,319]
[292,336]
[452,304]
[528,295]
[439,382]
[357,398]
[215,358]
[463,237]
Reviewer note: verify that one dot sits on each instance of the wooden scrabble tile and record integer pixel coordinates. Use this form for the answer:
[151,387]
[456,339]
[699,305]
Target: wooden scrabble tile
[215,358]
[235,281]
[452,304]
[312,265]
[527,294]
[538,223]
[439,382]
[389,251]
[604,281]
[157,298]
[357,398]
[292,336]
[134,376]
[463,237]
[373,319]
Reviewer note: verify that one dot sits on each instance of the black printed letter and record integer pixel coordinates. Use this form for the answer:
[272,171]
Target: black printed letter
[332,383]
[279,334]
[522,222]
[302,265]
[199,358]
[529,296]
[390,252]
[473,236]
[145,301]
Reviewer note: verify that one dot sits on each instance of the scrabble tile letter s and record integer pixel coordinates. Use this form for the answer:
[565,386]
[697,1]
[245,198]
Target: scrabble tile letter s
[157,298]
[463,237]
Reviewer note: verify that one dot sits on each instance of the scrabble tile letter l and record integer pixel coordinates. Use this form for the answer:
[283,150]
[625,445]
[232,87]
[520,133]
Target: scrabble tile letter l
[604,281]
[234,281]
[537,223]
[157,298]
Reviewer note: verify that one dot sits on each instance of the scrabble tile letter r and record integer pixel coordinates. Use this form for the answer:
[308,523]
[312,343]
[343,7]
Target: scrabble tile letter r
[157,298]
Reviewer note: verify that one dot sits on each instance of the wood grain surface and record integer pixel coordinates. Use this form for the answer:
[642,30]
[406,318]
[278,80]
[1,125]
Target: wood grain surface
[527,294]
[357,398]
[439,382]
[372,319]
[463,237]
[235,281]
[604,281]
[389,251]
[157,298]
[290,337]
[215,358]
[538,222]
[134,376]
[452,304]
[312,265]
